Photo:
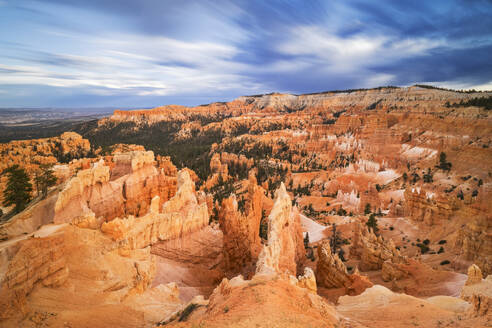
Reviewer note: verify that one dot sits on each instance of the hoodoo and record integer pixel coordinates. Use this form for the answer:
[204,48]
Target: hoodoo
[337,209]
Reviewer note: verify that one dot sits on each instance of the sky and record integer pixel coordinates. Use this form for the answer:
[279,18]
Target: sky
[129,53]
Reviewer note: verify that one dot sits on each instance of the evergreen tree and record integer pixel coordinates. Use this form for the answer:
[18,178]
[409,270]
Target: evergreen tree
[372,223]
[263,226]
[443,163]
[18,189]
[341,254]
[335,240]
[306,240]
[45,179]
[428,176]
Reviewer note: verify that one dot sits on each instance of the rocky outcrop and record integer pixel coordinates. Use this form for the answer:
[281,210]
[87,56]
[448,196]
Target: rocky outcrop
[475,240]
[373,250]
[29,220]
[474,275]
[39,259]
[331,272]
[106,283]
[166,165]
[73,199]
[31,154]
[242,243]
[482,304]
[332,102]
[181,215]
[217,167]
[284,248]
[266,302]
[307,280]
[478,291]
[391,271]
[427,207]
[126,189]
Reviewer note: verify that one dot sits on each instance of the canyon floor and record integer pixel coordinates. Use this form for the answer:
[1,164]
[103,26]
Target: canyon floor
[364,208]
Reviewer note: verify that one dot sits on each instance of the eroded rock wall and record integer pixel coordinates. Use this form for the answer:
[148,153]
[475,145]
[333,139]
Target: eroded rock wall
[372,250]
[181,215]
[284,248]
[40,259]
[242,243]
[31,154]
[331,272]
[126,189]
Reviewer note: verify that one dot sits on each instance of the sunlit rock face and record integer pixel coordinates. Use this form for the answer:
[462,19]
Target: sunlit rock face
[31,154]
[180,216]
[478,291]
[284,248]
[135,239]
[125,189]
[30,262]
[112,259]
[331,272]
[373,250]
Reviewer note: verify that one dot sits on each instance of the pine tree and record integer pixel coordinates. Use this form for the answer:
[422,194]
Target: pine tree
[18,189]
[45,179]
[428,176]
[306,240]
[443,163]
[372,223]
[335,240]
[263,226]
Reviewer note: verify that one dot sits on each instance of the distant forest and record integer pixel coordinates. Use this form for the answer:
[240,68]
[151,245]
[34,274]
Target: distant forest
[37,130]
[485,102]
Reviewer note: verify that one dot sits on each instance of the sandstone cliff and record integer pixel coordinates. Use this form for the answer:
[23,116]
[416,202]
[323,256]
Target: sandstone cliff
[181,215]
[331,272]
[242,243]
[37,259]
[478,292]
[373,250]
[284,249]
[31,154]
[106,193]
[275,303]
[113,265]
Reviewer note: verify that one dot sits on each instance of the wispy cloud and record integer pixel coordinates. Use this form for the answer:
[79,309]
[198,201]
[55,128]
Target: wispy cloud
[337,54]
[156,51]
[145,65]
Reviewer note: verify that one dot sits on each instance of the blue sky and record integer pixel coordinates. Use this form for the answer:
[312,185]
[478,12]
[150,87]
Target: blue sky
[128,53]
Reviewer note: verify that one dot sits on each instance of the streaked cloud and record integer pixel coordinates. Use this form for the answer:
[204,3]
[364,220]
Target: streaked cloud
[152,52]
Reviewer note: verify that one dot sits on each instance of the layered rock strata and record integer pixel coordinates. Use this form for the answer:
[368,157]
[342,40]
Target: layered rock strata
[284,248]
[126,189]
[181,215]
[478,291]
[31,154]
[117,262]
[38,259]
[242,243]
[331,272]
[372,250]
